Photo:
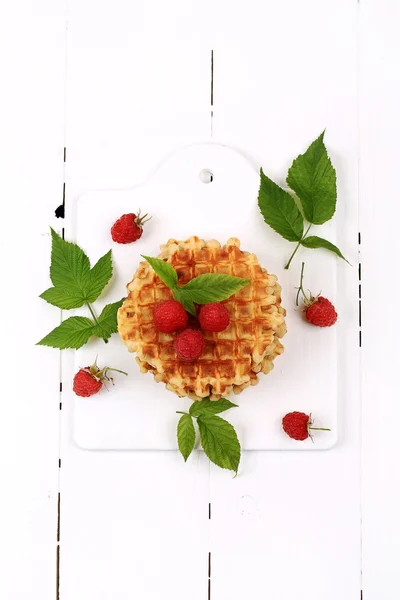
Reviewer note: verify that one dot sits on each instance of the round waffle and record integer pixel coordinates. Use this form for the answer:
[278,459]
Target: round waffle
[232,358]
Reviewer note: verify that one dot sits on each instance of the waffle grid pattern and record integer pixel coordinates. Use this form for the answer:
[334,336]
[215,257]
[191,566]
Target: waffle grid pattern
[233,357]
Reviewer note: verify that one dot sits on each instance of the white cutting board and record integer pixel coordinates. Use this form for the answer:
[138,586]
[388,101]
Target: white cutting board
[138,413]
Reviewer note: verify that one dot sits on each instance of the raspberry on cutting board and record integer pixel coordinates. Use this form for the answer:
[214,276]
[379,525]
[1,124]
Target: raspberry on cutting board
[318,310]
[128,228]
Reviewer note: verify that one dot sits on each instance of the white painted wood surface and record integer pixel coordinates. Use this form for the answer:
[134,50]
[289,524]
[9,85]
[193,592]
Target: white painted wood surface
[137,524]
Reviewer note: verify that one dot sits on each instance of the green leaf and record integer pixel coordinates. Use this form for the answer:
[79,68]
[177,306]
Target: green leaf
[107,323]
[313,241]
[187,303]
[313,178]
[219,441]
[279,210]
[213,287]
[72,333]
[186,436]
[100,275]
[210,407]
[164,270]
[70,267]
[65,298]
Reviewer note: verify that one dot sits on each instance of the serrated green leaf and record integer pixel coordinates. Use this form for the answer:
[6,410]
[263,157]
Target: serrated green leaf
[70,266]
[313,241]
[279,210]
[210,407]
[107,321]
[164,270]
[100,275]
[186,436]
[213,287]
[72,333]
[64,298]
[179,295]
[219,441]
[313,178]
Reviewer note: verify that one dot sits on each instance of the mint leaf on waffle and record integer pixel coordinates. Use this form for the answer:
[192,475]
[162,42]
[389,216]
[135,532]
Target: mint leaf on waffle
[164,270]
[213,287]
[206,288]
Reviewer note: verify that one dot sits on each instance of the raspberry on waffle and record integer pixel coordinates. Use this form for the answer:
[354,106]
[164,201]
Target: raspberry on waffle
[232,358]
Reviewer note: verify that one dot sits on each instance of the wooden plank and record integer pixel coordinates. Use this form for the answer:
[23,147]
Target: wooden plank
[289,525]
[380,248]
[132,523]
[32,44]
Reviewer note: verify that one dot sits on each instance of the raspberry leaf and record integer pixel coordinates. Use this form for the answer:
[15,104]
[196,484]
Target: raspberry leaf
[187,303]
[219,441]
[72,333]
[107,321]
[279,210]
[213,287]
[70,267]
[186,435]
[100,275]
[313,178]
[63,297]
[313,241]
[164,270]
[210,407]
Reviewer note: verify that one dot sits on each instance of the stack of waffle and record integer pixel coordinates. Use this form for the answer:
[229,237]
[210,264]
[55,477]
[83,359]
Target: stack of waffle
[232,358]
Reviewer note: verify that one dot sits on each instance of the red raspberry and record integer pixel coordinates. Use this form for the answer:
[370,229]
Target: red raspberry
[128,228]
[189,344]
[214,317]
[170,316]
[85,384]
[297,425]
[90,380]
[321,312]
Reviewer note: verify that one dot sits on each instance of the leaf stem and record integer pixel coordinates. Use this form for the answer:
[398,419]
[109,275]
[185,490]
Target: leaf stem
[179,412]
[300,288]
[297,247]
[319,428]
[95,319]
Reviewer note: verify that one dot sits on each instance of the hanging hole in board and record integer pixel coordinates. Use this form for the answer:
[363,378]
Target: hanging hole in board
[206,176]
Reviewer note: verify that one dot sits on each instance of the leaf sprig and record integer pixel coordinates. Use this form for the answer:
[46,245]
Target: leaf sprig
[203,289]
[77,284]
[218,437]
[313,179]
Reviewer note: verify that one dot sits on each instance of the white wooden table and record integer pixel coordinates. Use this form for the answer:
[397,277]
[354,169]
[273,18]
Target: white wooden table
[94,94]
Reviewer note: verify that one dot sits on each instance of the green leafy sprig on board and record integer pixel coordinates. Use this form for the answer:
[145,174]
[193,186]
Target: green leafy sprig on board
[217,437]
[76,284]
[313,179]
[206,288]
